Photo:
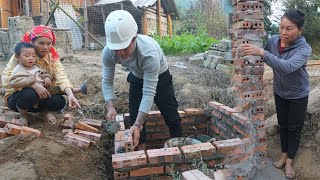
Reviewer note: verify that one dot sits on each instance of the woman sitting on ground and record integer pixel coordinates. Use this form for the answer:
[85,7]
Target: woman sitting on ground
[36,98]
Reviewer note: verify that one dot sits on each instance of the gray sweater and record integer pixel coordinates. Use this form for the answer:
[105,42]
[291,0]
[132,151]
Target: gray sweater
[147,63]
[291,79]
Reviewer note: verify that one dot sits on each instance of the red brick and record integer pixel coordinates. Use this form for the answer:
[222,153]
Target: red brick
[3,133]
[256,6]
[119,136]
[242,25]
[67,124]
[215,105]
[77,140]
[250,70]
[187,120]
[230,147]
[241,130]
[4,120]
[258,117]
[157,136]
[92,122]
[216,113]
[86,127]
[240,118]
[120,175]
[198,150]
[66,131]
[261,148]
[227,110]
[211,163]
[90,135]
[245,62]
[129,159]
[27,131]
[128,141]
[194,111]
[67,116]
[164,155]
[147,171]
[154,114]
[257,24]
[249,32]
[194,174]
[119,118]
[214,129]
[242,15]
[12,129]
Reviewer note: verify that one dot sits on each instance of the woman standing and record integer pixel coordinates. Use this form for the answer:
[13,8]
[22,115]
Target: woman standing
[287,54]
[37,98]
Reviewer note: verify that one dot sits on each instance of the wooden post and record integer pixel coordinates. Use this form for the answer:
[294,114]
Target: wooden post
[52,12]
[86,40]
[169,25]
[45,11]
[103,15]
[145,23]
[159,17]
[27,6]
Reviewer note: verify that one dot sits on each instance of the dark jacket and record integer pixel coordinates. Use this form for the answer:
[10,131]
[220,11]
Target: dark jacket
[291,79]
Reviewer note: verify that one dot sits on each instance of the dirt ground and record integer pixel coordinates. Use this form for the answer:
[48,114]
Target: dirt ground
[49,157]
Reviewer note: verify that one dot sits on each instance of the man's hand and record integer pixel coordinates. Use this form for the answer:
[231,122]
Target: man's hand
[135,132]
[111,111]
[47,82]
[42,92]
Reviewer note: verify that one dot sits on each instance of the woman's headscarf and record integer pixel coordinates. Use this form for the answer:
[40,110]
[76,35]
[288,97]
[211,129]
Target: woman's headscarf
[42,31]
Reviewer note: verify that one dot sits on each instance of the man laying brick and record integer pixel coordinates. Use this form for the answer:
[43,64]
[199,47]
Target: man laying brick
[150,79]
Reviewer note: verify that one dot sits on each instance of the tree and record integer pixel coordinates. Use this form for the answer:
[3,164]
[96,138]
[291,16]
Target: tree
[204,15]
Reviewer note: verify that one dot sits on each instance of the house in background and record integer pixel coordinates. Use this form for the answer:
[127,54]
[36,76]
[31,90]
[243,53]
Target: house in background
[144,12]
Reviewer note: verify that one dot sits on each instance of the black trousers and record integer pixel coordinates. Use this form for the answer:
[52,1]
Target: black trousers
[164,98]
[291,115]
[28,97]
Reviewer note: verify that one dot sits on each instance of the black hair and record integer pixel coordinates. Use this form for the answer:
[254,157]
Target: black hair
[21,45]
[296,16]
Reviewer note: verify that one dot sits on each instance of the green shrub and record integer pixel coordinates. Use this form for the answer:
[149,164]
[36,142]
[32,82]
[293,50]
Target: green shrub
[185,43]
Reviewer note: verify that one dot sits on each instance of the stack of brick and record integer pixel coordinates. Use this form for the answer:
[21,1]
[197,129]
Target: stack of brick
[86,131]
[161,162]
[248,27]
[219,55]
[13,126]
[158,161]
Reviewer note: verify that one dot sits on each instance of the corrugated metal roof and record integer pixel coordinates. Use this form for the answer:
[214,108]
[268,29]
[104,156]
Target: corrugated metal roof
[111,1]
[144,3]
[169,6]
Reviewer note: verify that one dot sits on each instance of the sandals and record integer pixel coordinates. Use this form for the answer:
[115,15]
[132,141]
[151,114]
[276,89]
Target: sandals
[276,165]
[290,173]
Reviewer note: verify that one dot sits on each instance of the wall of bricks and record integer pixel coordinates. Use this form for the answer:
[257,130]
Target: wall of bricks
[218,121]
[248,27]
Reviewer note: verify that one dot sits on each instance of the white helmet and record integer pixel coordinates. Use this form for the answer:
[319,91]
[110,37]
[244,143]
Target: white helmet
[120,28]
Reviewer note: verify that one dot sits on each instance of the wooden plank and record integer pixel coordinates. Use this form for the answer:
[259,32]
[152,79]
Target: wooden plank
[169,26]
[159,17]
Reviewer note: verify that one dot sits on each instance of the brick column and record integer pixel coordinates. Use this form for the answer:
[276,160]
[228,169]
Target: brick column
[248,27]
